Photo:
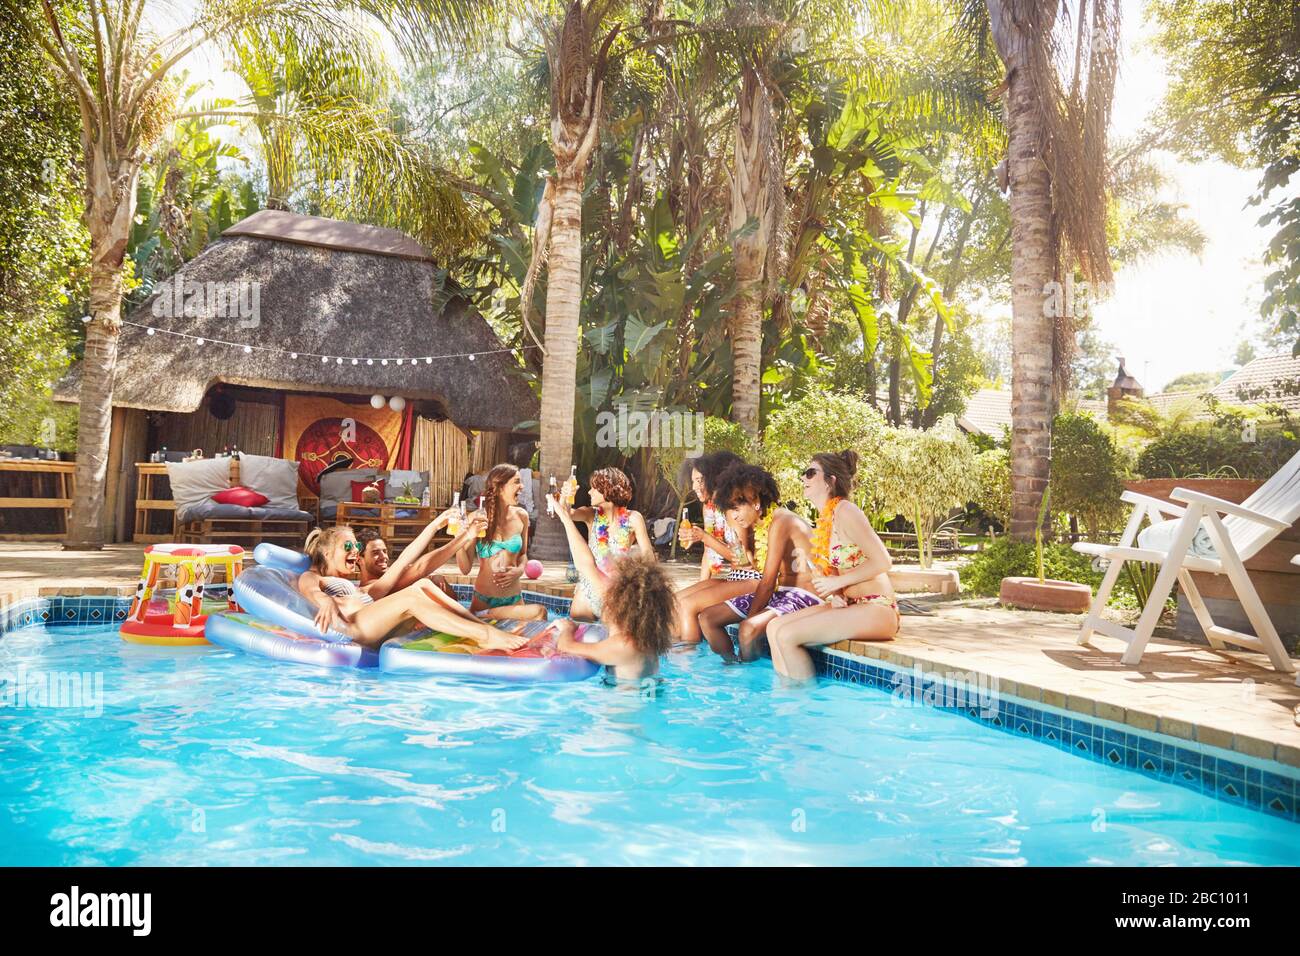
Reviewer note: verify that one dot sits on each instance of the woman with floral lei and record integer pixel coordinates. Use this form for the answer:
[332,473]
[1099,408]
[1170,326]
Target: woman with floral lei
[770,538]
[850,573]
[613,530]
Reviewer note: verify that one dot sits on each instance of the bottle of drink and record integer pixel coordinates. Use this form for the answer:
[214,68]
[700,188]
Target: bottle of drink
[454,522]
[571,486]
[482,530]
[426,498]
[684,529]
[162,455]
[552,491]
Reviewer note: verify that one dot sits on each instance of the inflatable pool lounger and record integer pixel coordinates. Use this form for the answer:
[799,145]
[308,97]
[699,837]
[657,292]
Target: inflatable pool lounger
[278,622]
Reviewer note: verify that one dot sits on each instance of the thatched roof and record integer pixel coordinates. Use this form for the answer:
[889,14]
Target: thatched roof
[323,287]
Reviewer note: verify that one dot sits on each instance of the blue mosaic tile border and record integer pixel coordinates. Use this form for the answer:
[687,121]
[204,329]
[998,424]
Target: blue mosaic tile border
[64,611]
[1162,758]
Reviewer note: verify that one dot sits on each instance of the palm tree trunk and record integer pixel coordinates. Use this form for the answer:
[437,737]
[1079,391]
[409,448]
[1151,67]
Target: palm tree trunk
[576,90]
[560,370]
[1033,258]
[750,203]
[110,207]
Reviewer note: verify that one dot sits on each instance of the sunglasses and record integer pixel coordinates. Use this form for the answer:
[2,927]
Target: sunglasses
[811,473]
[353,546]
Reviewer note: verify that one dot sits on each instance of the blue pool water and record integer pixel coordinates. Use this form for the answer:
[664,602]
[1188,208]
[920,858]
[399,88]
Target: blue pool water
[207,756]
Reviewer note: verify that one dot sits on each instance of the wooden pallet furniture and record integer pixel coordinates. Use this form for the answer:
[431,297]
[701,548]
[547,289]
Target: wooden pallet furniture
[32,473]
[247,532]
[396,530]
[148,500]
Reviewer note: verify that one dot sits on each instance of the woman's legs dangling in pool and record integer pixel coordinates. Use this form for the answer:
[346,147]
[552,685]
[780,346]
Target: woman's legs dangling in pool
[700,596]
[789,636]
[753,633]
[713,623]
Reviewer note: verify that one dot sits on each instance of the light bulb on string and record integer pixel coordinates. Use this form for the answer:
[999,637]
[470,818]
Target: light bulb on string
[248,349]
[198,341]
[293,355]
[376,401]
[397,403]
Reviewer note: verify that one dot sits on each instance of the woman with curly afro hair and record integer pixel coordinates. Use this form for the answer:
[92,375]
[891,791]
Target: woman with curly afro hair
[639,611]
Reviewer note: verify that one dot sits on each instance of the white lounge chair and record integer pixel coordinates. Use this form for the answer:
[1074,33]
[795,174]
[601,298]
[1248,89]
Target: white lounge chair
[1207,534]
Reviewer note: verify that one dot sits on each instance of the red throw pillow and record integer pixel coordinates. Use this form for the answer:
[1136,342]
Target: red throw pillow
[359,487]
[239,495]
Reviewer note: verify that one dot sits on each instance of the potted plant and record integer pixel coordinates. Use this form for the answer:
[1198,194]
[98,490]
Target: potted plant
[1042,593]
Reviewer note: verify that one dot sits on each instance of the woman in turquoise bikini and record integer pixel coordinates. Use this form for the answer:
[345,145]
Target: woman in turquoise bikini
[502,552]
[614,530]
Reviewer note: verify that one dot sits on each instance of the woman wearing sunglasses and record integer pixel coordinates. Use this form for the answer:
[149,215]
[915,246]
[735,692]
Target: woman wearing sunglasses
[850,572]
[342,605]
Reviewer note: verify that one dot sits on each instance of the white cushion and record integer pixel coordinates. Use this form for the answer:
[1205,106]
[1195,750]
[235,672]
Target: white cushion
[1160,537]
[277,478]
[195,482]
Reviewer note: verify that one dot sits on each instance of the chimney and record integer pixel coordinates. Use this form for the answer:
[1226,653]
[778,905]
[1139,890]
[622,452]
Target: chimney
[1124,386]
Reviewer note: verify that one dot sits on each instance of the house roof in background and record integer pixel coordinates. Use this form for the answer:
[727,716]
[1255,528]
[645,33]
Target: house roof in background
[1265,379]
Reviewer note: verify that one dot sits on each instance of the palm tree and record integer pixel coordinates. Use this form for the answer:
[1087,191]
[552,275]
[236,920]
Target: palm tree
[756,207]
[122,76]
[577,65]
[1056,171]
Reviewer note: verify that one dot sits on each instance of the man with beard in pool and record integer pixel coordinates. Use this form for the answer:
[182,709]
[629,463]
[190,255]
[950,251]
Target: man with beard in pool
[374,560]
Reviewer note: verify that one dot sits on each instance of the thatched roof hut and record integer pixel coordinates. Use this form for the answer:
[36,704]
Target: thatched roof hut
[355,303]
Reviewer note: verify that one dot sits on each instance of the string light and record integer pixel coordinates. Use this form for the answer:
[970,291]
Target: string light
[338,360]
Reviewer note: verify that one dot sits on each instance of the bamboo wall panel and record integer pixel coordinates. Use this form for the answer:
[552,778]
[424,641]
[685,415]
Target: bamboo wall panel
[442,449]
[489,449]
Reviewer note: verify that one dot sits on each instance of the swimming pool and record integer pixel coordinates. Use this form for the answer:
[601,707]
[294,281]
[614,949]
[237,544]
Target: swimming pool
[206,756]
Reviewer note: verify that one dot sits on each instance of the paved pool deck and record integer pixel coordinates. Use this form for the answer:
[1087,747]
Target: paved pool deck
[1231,700]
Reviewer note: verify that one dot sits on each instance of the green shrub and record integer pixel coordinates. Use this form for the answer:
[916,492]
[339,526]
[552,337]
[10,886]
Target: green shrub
[982,575]
[1201,450]
[993,481]
[925,475]
[1086,473]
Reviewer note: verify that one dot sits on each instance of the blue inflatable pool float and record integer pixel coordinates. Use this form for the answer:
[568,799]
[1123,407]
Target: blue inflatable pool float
[277,622]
